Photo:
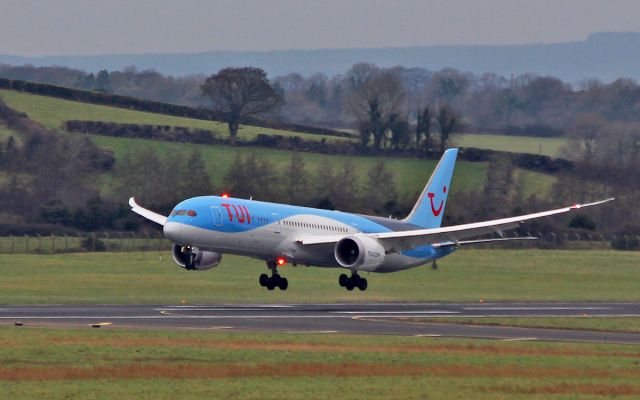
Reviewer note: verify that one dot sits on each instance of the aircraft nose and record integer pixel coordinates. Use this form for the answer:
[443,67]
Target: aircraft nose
[172,231]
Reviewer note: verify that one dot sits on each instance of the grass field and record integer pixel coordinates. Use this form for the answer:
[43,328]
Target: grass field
[52,112]
[410,174]
[516,144]
[468,275]
[617,324]
[120,364]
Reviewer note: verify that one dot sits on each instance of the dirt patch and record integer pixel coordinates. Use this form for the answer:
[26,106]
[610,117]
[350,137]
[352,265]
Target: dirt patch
[194,371]
[567,388]
[519,350]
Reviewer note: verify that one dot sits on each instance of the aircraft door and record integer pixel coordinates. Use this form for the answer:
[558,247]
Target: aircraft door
[217,216]
[276,222]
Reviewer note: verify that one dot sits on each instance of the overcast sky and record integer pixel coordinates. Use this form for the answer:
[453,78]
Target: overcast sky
[55,27]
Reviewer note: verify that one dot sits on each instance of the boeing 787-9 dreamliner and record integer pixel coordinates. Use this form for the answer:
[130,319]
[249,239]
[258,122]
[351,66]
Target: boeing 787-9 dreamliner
[204,228]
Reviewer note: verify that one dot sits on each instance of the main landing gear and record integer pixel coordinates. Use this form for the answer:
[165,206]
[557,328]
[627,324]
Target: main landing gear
[275,280]
[353,281]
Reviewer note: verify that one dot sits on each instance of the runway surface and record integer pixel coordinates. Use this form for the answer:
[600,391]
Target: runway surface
[379,318]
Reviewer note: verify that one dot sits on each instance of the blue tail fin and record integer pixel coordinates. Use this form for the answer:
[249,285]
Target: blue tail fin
[429,208]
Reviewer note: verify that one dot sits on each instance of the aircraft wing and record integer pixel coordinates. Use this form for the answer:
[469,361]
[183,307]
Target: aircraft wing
[403,240]
[148,214]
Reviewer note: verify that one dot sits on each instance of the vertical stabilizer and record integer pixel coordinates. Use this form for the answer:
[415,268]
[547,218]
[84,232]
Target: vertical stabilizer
[429,208]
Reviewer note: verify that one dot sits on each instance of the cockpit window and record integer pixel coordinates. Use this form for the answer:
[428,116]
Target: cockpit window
[190,213]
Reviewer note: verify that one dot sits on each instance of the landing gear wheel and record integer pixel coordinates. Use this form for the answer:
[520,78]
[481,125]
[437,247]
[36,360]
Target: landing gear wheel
[343,280]
[271,284]
[283,283]
[362,284]
[349,286]
[264,279]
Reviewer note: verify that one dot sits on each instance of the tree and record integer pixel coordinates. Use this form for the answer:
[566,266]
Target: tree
[198,182]
[380,192]
[240,92]
[423,128]
[498,187]
[448,121]
[296,180]
[375,95]
[400,132]
[252,176]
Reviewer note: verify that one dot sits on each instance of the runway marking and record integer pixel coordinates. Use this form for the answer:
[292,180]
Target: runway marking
[532,308]
[519,339]
[427,335]
[377,313]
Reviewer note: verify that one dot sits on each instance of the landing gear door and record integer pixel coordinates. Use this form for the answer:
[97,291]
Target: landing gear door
[217,216]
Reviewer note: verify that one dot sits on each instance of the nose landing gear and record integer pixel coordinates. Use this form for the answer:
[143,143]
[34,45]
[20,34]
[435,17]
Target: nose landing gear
[353,281]
[275,280]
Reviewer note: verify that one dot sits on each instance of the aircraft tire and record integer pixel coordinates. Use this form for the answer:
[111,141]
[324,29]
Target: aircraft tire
[343,280]
[350,285]
[264,279]
[363,284]
[271,284]
[283,283]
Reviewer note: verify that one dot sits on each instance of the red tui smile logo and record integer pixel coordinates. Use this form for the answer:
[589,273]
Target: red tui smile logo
[434,210]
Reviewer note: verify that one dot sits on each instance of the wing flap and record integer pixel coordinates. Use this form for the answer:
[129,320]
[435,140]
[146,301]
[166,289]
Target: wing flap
[403,240]
[148,214]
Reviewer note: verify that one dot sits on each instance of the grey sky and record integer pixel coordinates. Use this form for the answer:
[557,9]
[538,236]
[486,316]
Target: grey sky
[54,27]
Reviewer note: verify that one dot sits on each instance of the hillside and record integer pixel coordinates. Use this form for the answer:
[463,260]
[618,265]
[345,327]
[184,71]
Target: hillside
[605,56]
[410,174]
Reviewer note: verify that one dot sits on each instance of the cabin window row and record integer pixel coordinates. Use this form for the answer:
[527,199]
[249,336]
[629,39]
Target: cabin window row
[315,226]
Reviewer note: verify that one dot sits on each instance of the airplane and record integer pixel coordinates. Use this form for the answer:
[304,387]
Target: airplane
[204,228]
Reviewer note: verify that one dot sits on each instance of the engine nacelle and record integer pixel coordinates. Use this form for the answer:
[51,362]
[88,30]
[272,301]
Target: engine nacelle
[360,253]
[194,259]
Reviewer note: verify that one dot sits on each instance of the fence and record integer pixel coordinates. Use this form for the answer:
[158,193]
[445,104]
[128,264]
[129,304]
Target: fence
[103,241]
[91,242]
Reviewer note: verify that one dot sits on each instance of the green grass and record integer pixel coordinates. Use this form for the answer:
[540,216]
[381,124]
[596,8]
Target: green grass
[52,113]
[410,174]
[150,364]
[516,144]
[468,275]
[615,324]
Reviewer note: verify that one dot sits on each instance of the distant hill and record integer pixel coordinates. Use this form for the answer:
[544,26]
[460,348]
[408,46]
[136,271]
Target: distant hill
[605,56]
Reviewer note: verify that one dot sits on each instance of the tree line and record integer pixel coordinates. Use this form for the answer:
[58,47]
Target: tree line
[524,104]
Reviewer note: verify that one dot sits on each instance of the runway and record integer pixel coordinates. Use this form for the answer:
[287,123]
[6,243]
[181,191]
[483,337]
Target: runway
[378,318]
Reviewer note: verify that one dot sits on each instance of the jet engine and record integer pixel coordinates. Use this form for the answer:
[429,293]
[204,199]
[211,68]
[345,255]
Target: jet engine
[193,259]
[360,253]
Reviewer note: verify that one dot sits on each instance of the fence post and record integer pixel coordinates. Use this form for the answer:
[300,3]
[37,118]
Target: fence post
[159,241]
[106,241]
[26,241]
[626,242]
[66,242]
[53,243]
[93,241]
[12,245]
[39,243]
[147,244]
[121,241]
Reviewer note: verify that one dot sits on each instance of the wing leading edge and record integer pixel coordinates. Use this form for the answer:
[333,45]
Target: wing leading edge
[403,240]
[148,214]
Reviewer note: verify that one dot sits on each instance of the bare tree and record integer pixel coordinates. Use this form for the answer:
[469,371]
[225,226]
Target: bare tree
[448,121]
[423,128]
[240,92]
[375,95]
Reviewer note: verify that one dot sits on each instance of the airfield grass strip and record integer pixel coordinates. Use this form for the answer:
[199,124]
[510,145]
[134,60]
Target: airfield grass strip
[431,348]
[312,369]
